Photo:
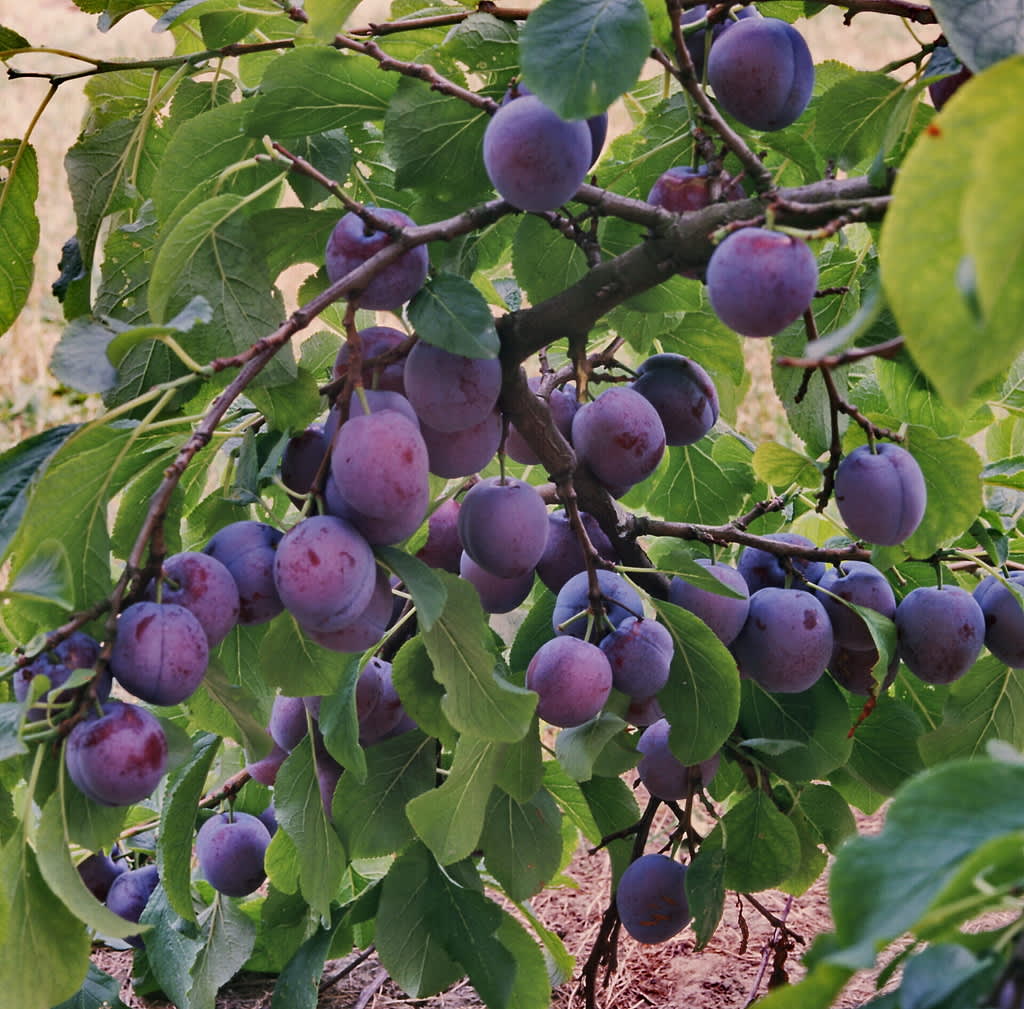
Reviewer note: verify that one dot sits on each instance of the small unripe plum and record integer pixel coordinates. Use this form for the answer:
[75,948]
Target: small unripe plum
[697,42]
[503,525]
[941,631]
[353,242]
[683,394]
[497,595]
[620,599]
[881,495]
[664,775]
[230,848]
[246,549]
[760,281]
[786,642]
[1004,618]
[725,615]
[620,437]
[862,584]
[535,159]
[761,569]
[118,757]
[640,654]
[375,341]
[762,73]
[651,898]
[205,588]
[160,653]
[563,555]
[572,678]
[443,548]
[324,571]
[130,893]
[450,392]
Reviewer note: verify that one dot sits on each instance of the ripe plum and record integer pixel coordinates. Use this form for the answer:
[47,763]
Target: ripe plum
[682,393]
[205,588]
[664,775]
[463,452]
[941,631]
[450,392]
[443,548]
[497,595]
[1004,618]
[570,616]
[881,495]
[761,569]
[651,898]
[246,549]
[230,848]
[563,555]
[376,341]
[725,615]
[572,678]
[130,893]
[503,525]
[640,654]
[697,41]
[862,584]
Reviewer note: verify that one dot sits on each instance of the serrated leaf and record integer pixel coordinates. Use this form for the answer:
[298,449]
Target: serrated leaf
[780,466]
[313,89]
[228,938]
[544,260]
[293,663]
[692,486]
[197,310]
[427,590]
[522,842]
[46,575]
[98,991]
[578,748]
[19,227]
[578,56]
[449,312]
[449,819]
[80,358]
[478,699]
[177,825]
[981,32]
[762,847]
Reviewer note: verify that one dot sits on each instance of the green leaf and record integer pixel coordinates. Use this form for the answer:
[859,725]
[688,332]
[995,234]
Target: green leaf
[98,991]
[705,888]
[544,260]
[19,227]
[229,936]
[522,768]
[952,476]
[62,877]
[571,800]
[197,310]
[91,825]
[370,816]
[702,697]
[233,710]
[613,808]
[46,575]
[313,89]
[289,661]
[522,842]
[478,699]
[943,318]
[781,467]
[300,812]
[762,847]
[172,948]
[827,812]
[449,819]
[435,143]
[413,676]
[578,56]
[80,358]
[532,984]
[429,921]
[177,824]
[882,885]
[579,748]
[10,39]
[451,313]
[298,984]
[817,719]
[964,23]
[427,590]
[886,745]
[982,705]
[36,929]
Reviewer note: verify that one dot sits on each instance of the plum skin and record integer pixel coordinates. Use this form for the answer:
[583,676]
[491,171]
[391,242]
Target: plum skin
[761,281]
[682,393]
[761,569]
[640,653]
[535,159]
[451,392]
[130,893]
[1004,618]
[941,631]
[353,242]
[860,583]
[503,526]
[204,586]
[573,680]
[651,898]
[246,548]
[762,73]
[230,848]
[621,600]
[664,775]
[696,42]
[119,757]
[881,495]
[723,614]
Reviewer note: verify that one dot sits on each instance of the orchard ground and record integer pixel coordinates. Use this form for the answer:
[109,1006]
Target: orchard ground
[725,973]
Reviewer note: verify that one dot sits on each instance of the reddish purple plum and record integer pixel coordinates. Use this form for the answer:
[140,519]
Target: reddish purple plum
[563,555]
[572,604]
[204,587]
[725,615]
[664,775]
[246,549]
[881,494]
[697,42]
[497,595]
[761,281]
[572,678]
[763,569]
[503,525]
[129,894]
[463,452]
[640,654]
[353,242]
[443,548]
[376,341]
[683,394]
[450,392]
[230,848]
[368,628]
[651,898]
[862,584]
[1004,618]
[563,406]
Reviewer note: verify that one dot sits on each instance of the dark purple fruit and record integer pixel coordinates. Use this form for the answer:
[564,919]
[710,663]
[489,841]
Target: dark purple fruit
[230,849]
[130,893]
[651,898]
[941,632]
[572,678]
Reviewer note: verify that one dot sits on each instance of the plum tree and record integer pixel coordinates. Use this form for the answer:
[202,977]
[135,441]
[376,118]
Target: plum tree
[941,631]
[760,281]
[651,898]
[116,756]
[572,679]
[160,653]
[221,383]
[762,72]
[881,493]
[230,848]
[354,240]
[535,158]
